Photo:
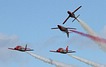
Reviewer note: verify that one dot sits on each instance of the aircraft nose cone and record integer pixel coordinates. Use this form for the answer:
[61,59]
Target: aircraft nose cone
[58,25]
[68,12]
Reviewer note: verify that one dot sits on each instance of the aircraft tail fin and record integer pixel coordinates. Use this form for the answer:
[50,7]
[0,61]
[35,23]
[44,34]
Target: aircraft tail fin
[67,48]
[68,34]
[76,18]
[26,47]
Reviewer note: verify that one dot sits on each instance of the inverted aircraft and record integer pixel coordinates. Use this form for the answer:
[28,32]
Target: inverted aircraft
[63,51]
[64,29]
[22,49]
[72,15]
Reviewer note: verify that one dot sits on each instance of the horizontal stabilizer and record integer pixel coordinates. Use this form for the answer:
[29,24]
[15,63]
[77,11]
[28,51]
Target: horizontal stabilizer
[76,18]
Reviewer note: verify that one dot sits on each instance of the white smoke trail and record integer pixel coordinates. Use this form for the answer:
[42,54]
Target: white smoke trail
[91,32]
[50,61]
[87,61]
[86,27]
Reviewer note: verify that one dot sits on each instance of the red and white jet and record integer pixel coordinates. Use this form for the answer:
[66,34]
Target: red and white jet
[63,51]
[72,15]
[22,49]
[64,29]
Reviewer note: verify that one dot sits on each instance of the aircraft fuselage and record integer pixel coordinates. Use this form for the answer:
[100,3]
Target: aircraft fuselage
[71,14]
[63,28]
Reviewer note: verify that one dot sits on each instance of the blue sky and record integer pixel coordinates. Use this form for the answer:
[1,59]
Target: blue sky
[24,21]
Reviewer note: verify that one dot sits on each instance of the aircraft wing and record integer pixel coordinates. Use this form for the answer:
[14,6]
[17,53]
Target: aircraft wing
[77,9]
[49,61]
[70,51]
[66,19]
[55,28]
[71,28]
[29,50]
[55,51]
[11,48]
[52,51]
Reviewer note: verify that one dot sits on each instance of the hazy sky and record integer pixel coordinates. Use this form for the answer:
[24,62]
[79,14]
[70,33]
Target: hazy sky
[30,21]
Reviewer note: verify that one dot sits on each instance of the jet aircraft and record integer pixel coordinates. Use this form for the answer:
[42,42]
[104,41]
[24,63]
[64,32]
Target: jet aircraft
[64,29]
[72,15]
[22,49]
[63,51]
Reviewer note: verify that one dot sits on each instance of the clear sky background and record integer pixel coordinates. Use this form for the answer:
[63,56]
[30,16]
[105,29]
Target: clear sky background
[30,22]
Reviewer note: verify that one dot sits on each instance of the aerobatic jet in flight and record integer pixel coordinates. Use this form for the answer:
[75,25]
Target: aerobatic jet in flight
[64,29]
[63,51]
[72,15]
[22,49]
